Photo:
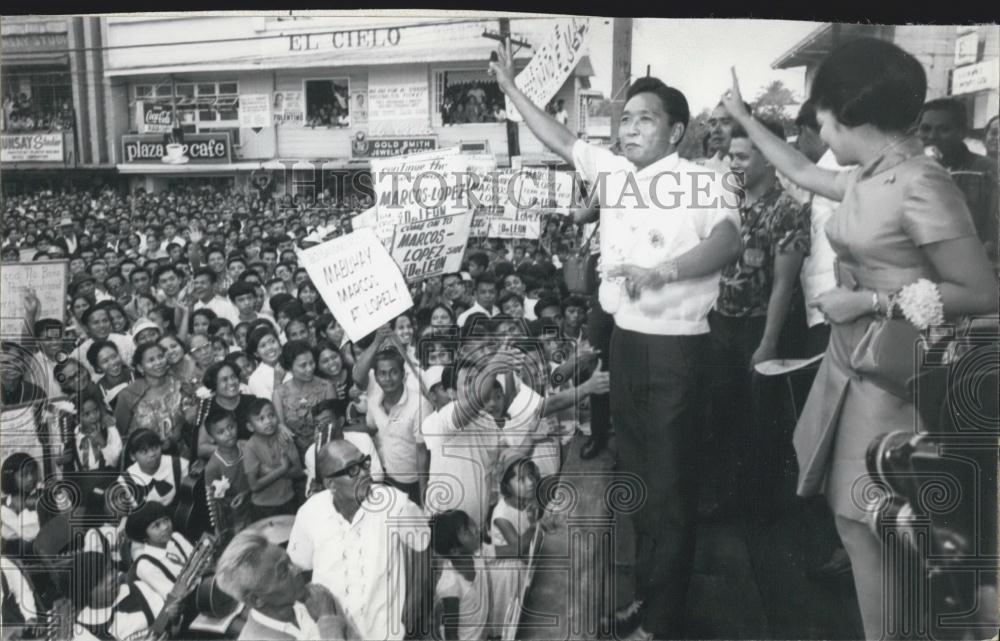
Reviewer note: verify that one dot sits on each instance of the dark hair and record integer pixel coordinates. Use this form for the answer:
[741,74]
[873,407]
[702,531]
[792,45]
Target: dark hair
[445,527]
[204,311]
[451,314]
[292,309]
[167,268]
[257,335]
[510,296]
[241,288]
[674,102]
[870,82]
[291,351]
[87,570]
[142,440]
[218,323]
[954,108]
[389,354]
[807,116]
[256,405]
[236,258]
[278,300]
[140,351]
[772,125]
[42,327]
[480,259]
[211,377]
[335,405]
[90,311]
[523,463]
[205,271]
[12,466]
[486,279]
[217,414]
[546,301]
[95,349]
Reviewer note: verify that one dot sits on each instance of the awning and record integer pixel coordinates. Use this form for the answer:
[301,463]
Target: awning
[818,44]
[192,168]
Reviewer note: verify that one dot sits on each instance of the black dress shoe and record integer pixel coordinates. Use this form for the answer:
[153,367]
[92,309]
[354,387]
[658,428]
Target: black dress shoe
[625,619]
[594,446]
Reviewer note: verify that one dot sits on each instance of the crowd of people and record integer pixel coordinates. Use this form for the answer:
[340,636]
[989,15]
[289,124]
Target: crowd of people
[396,485]
[471,102]
[20,114]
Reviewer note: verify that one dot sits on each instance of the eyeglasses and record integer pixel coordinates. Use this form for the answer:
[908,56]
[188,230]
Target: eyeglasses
[354,469]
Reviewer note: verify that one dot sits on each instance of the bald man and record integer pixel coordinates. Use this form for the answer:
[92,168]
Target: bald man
[355,536]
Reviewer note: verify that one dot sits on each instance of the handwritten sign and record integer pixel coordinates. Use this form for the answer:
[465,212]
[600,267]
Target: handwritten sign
[540,187]
[431,247]
[49,280]
[414,187]
[31,148]
[517,223]
[288,108]
[552,64]
[397,103]
[358,280]
[255,110]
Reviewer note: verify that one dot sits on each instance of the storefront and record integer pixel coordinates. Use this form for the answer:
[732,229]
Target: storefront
[313,100]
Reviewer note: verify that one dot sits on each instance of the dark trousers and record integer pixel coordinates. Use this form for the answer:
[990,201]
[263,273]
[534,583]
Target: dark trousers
[600,324]
[654,383]
[745,417]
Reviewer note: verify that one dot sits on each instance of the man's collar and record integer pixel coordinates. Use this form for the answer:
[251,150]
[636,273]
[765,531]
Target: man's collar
[664,164]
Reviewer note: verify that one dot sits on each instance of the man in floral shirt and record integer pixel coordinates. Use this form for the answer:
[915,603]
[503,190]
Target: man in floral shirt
[753,307]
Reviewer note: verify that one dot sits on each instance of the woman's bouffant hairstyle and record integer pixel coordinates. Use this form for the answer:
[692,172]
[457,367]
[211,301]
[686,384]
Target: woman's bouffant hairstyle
[871,82]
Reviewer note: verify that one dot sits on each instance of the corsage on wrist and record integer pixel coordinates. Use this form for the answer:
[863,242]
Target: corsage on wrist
[921,304]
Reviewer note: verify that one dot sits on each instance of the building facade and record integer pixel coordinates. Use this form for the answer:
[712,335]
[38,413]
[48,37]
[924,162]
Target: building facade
[294,99]
[961,61]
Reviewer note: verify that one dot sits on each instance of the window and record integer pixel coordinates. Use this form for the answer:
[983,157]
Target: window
[200,105]
[328,103]
[37,99]
[467,96]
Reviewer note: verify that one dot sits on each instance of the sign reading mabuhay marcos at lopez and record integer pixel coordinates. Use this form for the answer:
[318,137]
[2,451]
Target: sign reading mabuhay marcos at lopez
[31,148]
[199,148]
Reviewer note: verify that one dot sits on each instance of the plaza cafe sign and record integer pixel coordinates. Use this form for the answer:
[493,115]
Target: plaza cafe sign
[198,148]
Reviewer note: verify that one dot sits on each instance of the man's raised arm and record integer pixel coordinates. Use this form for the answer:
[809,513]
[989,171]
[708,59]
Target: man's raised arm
[553,135]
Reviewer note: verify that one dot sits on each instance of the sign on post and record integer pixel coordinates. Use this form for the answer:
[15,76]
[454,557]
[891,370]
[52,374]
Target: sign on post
[551,65]
[358,280]
[49,279]
[431,247]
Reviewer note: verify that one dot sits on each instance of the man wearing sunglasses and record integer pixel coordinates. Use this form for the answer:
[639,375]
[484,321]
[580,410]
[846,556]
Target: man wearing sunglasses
[358,540]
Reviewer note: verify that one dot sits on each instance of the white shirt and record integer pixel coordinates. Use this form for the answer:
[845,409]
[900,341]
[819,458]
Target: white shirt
[462,468]
[163,473]
[398,430]
[18,526]
[123,624]
[110,452]
[222,307]
[304,628]
[361,562]
[174,557]
[125,345]
[647,217]
[818,267]
[261,381]
[473,598]
[476,309]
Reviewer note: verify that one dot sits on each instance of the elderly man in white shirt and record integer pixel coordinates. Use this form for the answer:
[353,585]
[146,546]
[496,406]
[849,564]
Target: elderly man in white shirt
[668,227]
[358,540]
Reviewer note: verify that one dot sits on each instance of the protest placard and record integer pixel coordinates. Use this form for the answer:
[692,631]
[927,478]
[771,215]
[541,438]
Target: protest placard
[414,187]
[255,110]
[431,247]
[49,280]
[544,188]
[551,64]
[358,280]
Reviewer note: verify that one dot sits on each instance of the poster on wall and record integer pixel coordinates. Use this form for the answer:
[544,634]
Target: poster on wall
[255,110]
[552,63]
[288,108]
[31,148]
[359,102]
[154,118]
[398,103]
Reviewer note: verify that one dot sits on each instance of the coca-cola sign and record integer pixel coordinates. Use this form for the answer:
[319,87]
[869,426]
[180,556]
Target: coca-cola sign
[154,118]
[197,148]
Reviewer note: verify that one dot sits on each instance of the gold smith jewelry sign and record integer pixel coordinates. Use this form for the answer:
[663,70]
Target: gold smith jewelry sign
[197,148]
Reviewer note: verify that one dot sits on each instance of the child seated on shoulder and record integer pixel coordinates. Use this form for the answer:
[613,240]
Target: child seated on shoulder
[271,462]
[330,416]
[462,594]
[225,479]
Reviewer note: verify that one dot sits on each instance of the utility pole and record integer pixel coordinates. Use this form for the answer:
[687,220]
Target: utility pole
[621,70]
[513,142]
